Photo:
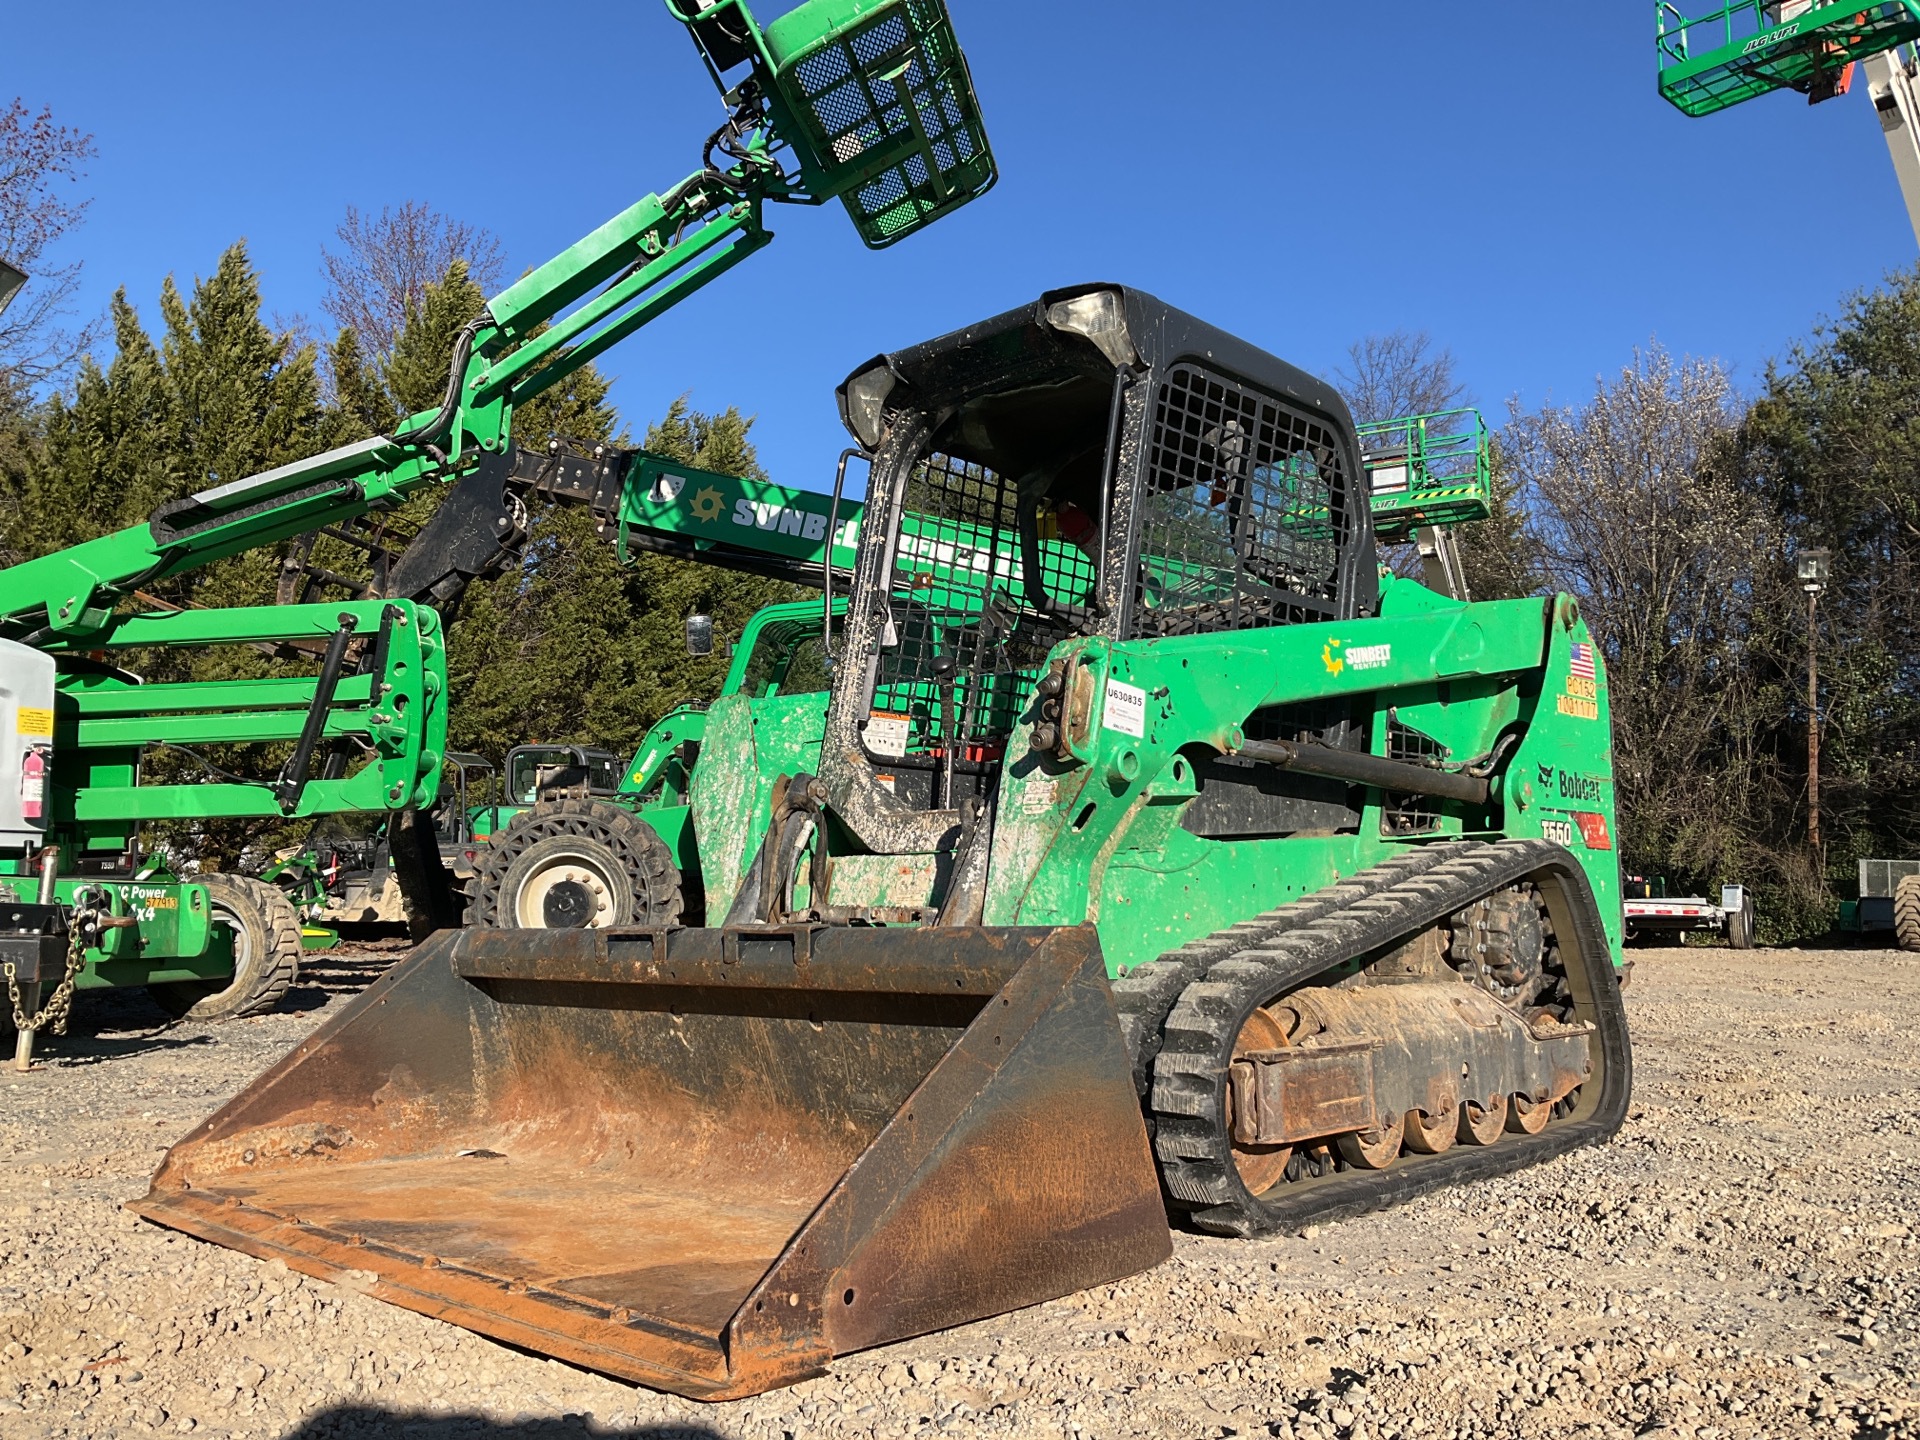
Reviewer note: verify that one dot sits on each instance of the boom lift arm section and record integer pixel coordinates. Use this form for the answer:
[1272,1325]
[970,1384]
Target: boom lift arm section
[1896,99]
[868,101]
[1427,474]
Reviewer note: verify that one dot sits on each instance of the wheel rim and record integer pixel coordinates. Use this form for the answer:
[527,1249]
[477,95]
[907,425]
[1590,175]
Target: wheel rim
[242,941]
[1261,1167]
[570,891]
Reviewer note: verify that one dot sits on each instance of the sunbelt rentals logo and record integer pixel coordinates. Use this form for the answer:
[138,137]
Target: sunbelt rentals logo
[1354,657]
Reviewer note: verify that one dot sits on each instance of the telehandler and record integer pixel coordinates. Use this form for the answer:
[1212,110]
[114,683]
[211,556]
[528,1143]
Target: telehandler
[863,102]
[1153,850]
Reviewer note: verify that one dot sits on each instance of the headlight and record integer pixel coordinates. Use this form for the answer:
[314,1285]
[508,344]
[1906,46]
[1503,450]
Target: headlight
[1101,317]
[866,402]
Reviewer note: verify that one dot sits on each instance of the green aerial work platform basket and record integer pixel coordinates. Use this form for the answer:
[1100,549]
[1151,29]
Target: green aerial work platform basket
[872,97]
[1756,46]
[1433,469]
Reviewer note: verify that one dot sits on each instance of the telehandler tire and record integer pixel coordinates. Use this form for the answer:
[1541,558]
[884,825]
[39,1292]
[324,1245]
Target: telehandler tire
[574,865]
[266,954]
[1906,913]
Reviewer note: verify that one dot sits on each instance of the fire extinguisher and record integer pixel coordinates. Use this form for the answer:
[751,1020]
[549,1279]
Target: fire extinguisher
[35,766]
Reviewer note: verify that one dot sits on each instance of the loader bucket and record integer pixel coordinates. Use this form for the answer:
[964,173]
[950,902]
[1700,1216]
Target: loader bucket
[705,1160]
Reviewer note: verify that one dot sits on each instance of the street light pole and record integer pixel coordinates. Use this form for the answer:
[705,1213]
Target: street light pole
[1813,731]
[1813,570]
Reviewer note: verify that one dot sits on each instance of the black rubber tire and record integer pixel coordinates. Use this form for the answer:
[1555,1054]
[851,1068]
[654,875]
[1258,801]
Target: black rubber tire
[618,852]
[1740,926]
[1906,913]
[266,953]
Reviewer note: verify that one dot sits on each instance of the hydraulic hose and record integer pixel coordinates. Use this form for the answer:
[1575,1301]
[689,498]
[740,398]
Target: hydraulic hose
[436,429]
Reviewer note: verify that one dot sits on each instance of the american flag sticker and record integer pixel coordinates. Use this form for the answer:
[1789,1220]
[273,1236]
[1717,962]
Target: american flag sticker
[1581,661]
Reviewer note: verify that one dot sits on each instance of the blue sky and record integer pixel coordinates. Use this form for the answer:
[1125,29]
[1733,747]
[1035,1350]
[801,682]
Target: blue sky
[1504,177]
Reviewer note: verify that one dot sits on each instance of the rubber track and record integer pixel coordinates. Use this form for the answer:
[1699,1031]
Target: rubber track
[648,862]
[1380,906]
[1145,994]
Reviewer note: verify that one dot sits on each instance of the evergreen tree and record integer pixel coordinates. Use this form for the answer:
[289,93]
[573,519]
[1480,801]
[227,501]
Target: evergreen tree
[575,646]
[104,457]
[220,397]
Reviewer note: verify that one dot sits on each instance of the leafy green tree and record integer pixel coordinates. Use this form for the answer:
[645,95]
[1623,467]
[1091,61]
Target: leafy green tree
[1831,446]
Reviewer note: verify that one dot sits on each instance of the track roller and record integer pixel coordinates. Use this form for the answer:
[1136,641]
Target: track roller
[1485,1007]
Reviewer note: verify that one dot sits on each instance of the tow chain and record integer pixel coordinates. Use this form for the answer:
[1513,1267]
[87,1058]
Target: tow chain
[53,1014]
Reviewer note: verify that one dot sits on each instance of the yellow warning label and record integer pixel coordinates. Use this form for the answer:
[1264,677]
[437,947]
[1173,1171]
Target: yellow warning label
[33,720]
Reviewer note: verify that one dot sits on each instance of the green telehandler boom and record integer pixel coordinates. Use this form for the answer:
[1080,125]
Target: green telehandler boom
[1149,849]
[867,102]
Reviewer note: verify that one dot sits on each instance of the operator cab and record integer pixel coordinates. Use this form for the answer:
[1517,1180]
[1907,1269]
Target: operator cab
[554,772]
[1094,464]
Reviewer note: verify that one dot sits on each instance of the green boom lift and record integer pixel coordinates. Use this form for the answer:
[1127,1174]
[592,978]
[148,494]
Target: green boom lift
[1150,847]
[1749,48]
[863,101]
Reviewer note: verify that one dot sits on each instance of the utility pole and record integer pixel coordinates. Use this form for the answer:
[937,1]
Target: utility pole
[1813,569]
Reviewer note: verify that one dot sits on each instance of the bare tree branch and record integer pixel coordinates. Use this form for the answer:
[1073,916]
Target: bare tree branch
[386,262]
[1641,519]
[38,159]
[1401,373]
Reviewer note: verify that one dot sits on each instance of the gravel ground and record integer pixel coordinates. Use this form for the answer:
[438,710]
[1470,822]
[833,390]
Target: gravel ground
[1736,1264]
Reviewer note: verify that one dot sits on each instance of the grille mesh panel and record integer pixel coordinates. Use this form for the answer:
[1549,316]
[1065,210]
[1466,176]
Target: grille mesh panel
[969,641]
[1243,515]
[900,78]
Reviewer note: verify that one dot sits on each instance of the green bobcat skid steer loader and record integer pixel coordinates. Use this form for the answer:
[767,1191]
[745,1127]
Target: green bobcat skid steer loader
[1153,849]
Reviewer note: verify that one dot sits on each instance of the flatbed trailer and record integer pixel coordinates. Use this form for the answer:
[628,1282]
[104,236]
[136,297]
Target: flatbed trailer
[1647,914]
